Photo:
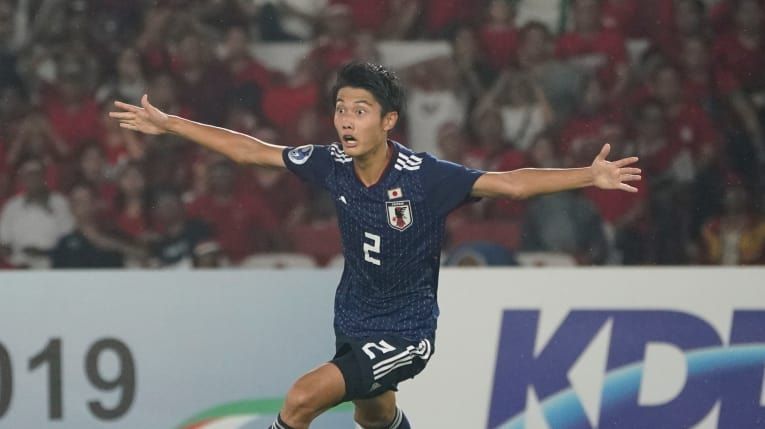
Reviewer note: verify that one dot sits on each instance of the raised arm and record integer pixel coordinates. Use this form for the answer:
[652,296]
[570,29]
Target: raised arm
[528,182]
[239,147]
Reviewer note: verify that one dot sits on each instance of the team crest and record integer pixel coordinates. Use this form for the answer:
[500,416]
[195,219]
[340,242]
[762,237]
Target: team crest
[300,155]
[399,214]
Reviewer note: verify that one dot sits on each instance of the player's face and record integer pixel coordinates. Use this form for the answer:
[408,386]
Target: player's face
[360,125]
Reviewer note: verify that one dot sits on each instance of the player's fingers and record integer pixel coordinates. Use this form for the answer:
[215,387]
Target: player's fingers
[128,107]
[145,103]
[626,161]
[630,178]
[604,151]
[128,126]
[628,188]
[122,115]
[630,171]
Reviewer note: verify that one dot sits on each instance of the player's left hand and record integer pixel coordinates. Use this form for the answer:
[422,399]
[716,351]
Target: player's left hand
[613,175]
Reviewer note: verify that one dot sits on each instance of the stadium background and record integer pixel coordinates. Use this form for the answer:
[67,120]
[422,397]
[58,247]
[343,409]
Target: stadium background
[492,84]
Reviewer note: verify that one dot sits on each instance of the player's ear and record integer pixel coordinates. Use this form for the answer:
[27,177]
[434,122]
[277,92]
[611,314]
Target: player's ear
[389,120]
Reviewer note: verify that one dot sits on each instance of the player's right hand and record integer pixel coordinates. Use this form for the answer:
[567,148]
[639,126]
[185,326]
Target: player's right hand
[147,119]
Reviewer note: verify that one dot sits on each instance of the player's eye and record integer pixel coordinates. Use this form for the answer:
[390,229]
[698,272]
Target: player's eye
[360,112]
[340,110]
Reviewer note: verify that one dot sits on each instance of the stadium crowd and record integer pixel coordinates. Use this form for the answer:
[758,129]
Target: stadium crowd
[540,83]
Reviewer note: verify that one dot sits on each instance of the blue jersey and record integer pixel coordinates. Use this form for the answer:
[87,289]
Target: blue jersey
[391,233]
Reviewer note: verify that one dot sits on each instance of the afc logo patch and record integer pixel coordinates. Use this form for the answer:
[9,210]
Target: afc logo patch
[300,155]
[399,214]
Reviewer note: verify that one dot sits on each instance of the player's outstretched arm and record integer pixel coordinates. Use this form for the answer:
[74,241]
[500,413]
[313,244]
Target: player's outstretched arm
[237,146]
[528,182]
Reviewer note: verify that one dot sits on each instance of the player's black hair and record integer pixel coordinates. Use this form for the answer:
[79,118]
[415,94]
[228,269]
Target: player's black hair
[381,82]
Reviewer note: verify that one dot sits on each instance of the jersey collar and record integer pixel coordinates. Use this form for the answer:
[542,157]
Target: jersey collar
[394,147]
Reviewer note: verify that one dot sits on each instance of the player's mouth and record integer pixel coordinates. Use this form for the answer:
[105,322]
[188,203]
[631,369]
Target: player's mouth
[350,141]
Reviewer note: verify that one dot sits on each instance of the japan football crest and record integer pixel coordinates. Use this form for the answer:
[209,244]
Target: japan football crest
[399,214]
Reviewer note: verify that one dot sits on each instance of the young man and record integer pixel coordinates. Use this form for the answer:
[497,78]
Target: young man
[391,205]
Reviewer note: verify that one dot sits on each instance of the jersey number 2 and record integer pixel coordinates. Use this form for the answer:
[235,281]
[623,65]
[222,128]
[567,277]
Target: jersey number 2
[374,247]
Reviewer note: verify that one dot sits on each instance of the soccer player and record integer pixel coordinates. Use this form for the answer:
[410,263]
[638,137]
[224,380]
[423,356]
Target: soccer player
[391,206]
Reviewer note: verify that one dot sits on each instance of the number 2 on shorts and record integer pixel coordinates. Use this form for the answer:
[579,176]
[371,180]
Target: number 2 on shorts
[382,346]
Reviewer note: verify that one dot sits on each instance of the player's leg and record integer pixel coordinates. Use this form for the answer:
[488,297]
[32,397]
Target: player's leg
[311,395]
[380,412]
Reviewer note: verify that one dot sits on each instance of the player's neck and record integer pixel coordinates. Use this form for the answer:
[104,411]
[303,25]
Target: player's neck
[371,166]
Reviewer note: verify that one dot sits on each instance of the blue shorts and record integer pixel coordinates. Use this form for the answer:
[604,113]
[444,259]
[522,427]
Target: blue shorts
[374,366]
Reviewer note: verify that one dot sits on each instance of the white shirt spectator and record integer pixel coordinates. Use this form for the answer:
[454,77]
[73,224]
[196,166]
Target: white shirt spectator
[24,224]
[546,11]
[427,112]
[522,124]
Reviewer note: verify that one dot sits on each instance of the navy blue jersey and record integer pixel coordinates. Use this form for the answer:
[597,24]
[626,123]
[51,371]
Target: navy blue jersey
[391,233]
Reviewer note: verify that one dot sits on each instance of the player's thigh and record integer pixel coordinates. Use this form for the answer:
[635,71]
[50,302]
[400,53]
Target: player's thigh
[377,411]
[319,389]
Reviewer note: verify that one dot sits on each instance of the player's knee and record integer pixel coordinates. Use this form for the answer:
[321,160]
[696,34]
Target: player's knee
[300,405]
[373,420]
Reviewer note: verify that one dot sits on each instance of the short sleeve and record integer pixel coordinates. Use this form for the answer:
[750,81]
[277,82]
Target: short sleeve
[448,185]
[312,163]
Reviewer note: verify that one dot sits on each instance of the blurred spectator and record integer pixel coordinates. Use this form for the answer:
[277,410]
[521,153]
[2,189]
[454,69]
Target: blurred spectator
[336,43]
[691,129]
[283,103]
[151,41]
[90,244]
[432,101]
[36,139]
[721,95]
[32,222]
[387,19]
[131,203]
[14,25]
[689,20]
[737,237]
[164,95]
[593,47]
[242,223]
[688,123]
[499,36]
[722,15]
[366,49]
[174,235]
[473,74]
[443,17]
[548,13]
[559,81]
[523,105]
[204,84]
[251,77]
[594,123]
[71,108]
[452,142]
[670,171]
[13,106]
[92,171]
[492,151]
[740,50]
[120,145]
[129,83]
[563,222]
[626,16]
